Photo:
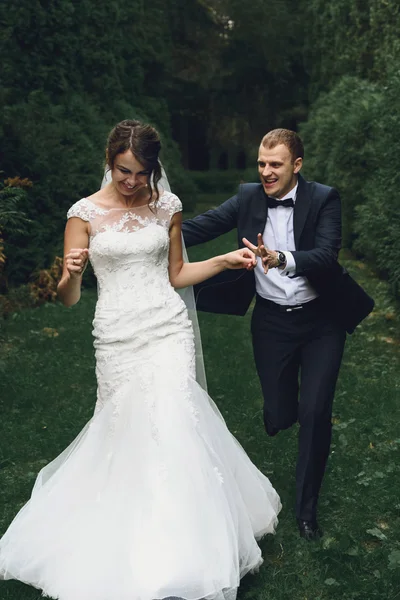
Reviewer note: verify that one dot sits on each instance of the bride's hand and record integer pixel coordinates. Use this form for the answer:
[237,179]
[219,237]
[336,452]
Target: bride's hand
[240,259]
[76,261]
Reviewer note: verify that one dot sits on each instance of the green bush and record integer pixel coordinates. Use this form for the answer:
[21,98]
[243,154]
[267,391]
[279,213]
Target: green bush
[350,37]
[14,223]
[340,143]
[378,219]
[60,148]
[351,142]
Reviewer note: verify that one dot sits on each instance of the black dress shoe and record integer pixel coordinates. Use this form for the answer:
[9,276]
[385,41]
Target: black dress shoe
[309,530]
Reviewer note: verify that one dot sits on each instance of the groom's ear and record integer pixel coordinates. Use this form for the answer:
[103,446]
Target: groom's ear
[298,163]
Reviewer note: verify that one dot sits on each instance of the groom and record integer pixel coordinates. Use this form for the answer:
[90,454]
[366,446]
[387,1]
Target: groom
[305,301]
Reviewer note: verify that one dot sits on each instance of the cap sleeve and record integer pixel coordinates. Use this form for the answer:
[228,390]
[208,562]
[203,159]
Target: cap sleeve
[81,209]
[168,205]
[175,205]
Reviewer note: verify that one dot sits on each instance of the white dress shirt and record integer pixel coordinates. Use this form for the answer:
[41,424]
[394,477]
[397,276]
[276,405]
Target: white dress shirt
[279,285]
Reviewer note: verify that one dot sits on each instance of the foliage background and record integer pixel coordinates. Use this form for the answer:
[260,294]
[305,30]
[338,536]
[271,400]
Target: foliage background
[212,76]
[353,120]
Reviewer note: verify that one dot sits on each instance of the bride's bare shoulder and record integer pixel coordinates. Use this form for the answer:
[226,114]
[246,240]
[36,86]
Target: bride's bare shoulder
[100,198]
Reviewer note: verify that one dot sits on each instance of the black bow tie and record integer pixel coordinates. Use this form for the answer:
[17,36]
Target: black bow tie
[272,203]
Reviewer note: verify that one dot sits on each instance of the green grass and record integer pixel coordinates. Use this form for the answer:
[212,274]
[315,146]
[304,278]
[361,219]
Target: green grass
[47,393]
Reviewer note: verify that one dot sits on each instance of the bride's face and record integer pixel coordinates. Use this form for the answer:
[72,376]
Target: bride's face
[128,175]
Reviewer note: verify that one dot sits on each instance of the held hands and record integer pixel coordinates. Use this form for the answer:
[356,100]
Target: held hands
[76,262]
[269,258]
[240,259]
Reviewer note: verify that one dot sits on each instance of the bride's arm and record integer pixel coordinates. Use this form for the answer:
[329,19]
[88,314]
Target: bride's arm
[76,241]
[183,274]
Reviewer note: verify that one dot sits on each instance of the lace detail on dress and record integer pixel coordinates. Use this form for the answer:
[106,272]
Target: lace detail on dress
[131,222]
[170,203]
[127,220]
[85,210]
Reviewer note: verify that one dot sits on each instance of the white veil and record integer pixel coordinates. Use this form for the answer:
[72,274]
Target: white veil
[186,294]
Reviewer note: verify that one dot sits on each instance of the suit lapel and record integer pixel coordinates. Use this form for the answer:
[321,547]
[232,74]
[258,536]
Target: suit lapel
[301,208]
[259,213]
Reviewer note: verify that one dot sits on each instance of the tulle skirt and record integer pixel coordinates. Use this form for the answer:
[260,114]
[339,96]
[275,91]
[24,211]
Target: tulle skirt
[154,499]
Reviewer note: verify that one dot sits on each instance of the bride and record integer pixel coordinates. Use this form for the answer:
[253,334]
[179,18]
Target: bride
[154,498]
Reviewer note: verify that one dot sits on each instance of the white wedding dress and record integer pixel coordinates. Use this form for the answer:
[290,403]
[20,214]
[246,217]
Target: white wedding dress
[154,498]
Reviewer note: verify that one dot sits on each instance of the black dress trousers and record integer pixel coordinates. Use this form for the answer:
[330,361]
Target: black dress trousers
[298,355]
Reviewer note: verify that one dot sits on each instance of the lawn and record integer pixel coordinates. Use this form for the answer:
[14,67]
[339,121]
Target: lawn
[47,393]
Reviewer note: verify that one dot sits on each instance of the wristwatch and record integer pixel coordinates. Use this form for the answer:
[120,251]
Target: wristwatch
[281,258]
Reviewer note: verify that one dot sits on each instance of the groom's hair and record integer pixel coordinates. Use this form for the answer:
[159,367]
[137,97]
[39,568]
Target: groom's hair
[287,137]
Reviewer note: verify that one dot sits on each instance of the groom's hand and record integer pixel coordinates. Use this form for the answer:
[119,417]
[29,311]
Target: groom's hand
[261,251]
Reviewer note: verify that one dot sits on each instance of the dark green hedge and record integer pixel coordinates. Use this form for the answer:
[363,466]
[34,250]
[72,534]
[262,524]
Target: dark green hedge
[352,143]
[377,221]
[69,72]
[339,141]
[60,148]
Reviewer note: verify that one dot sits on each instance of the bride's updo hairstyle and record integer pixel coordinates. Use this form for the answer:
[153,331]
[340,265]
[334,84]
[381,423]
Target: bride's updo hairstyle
[144,143]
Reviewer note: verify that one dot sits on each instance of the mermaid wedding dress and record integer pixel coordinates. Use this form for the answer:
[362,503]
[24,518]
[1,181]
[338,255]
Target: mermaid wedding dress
[154,498]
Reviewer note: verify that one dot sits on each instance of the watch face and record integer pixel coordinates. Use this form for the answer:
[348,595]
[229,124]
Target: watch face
[281,258]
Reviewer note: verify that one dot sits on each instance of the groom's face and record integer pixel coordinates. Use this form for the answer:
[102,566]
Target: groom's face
[277,170]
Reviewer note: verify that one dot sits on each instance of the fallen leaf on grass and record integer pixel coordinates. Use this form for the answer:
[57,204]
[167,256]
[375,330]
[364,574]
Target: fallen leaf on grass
[352,551]
[390,316]
[331,581]
[50,332]
[375,532]
[328,542]
[388,340]
[371,545]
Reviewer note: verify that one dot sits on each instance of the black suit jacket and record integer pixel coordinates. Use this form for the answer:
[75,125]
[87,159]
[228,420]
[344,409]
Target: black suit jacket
[317,233]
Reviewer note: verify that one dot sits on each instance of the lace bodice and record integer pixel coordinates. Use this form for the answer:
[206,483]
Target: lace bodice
[128,250]
[126,220]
